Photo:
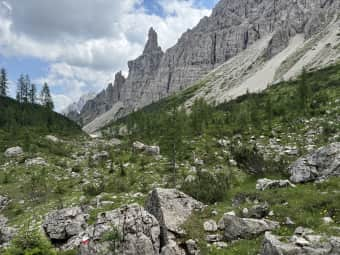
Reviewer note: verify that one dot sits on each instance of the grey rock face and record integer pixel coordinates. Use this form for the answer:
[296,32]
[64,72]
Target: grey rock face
[309,244]
[13,152]
[171,208]
[322,163]
[62,225]
[102,102]
[244,228]
[234,26]
[138,229]
[264,184]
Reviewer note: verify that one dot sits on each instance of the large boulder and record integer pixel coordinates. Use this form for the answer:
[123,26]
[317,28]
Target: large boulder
[150,150]
[264,184]
[323,163]
[171,208]
[61,225]
[244,228]
[14,152]
[137,233]
[6,232]
[308,244]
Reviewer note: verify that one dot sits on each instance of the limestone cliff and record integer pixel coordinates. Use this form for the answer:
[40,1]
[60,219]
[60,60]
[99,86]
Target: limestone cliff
[234,27]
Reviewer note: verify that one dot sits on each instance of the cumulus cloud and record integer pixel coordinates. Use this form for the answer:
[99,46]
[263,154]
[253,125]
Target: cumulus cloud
[86,41]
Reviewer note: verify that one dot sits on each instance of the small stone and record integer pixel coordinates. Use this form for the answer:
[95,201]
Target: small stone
[210,226]
[327,220]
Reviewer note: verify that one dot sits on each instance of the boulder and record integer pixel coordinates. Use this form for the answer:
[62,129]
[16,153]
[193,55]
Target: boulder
[321,164]
[244,228]
[138,233]
[35,162]
[150,150]
[171,208]
[6,233]
[305,245]
[14,152]
[192,247]
[61,225]
[52,138]
[264,184]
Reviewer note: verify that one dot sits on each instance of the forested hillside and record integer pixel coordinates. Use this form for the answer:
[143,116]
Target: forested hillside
[22,123]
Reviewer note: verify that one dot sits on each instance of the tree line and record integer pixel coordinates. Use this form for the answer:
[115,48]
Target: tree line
[27,91]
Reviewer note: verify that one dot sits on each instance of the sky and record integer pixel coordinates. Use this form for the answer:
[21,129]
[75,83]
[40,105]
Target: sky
[77,46]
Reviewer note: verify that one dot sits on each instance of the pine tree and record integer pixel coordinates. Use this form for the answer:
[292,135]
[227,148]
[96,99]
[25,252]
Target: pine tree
[3,82]
[26,89]
[21,89]
[46,98]
[32,94]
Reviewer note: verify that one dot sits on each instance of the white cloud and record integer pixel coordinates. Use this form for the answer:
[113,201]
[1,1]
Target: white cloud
[86,41]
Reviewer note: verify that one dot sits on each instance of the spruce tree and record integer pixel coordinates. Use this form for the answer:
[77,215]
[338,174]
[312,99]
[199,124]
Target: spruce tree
[46,98]
[21,89]
[32,94]
[3,82]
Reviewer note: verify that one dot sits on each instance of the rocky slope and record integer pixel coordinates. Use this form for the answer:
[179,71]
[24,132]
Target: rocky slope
[72,111]
[250,39]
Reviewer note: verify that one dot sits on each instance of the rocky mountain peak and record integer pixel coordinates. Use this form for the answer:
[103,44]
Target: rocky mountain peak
[152,42]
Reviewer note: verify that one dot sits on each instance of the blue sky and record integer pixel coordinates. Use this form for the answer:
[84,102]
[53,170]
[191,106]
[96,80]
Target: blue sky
[81,52]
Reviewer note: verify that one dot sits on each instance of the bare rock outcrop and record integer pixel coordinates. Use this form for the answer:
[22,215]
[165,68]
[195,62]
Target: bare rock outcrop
[233,27]
[6,233]
[320,164]
[171,208]
[300,243]
[138,233]
[62,225]
[264,184]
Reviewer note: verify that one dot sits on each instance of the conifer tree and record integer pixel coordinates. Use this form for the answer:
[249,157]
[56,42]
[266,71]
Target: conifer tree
[3,82]
[21,89]
[32,94]
[46,98]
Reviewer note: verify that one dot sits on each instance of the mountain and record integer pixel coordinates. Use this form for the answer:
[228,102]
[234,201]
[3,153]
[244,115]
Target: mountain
[74,109]
[239,44]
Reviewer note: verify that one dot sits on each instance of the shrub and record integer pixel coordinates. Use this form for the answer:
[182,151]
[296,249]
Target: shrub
[30,242]
[93,189]
[249,159]
[209,187]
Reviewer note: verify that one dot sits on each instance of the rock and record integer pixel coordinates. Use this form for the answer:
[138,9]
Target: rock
[289,221]
[103,155]
[62,225]
[139,232]
[258,211]
[6,233]
[210,226]
[245,212]
[213,238]
[264,184]
[192,247]
[4,201]
[244,228]
[14,152]
[309,245]
[221,245]
[172,249]
[52,138]
[321,164]
[171,208]
[327,220]
[151,150]
[35,162]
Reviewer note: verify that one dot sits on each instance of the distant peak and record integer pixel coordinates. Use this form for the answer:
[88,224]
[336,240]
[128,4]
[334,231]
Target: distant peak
[152,43]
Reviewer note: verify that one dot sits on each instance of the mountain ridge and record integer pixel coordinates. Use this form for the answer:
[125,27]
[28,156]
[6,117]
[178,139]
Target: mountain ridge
[232,28]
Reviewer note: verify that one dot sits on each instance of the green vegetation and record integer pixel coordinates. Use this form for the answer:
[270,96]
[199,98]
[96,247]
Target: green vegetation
[224,148]
[22,124]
